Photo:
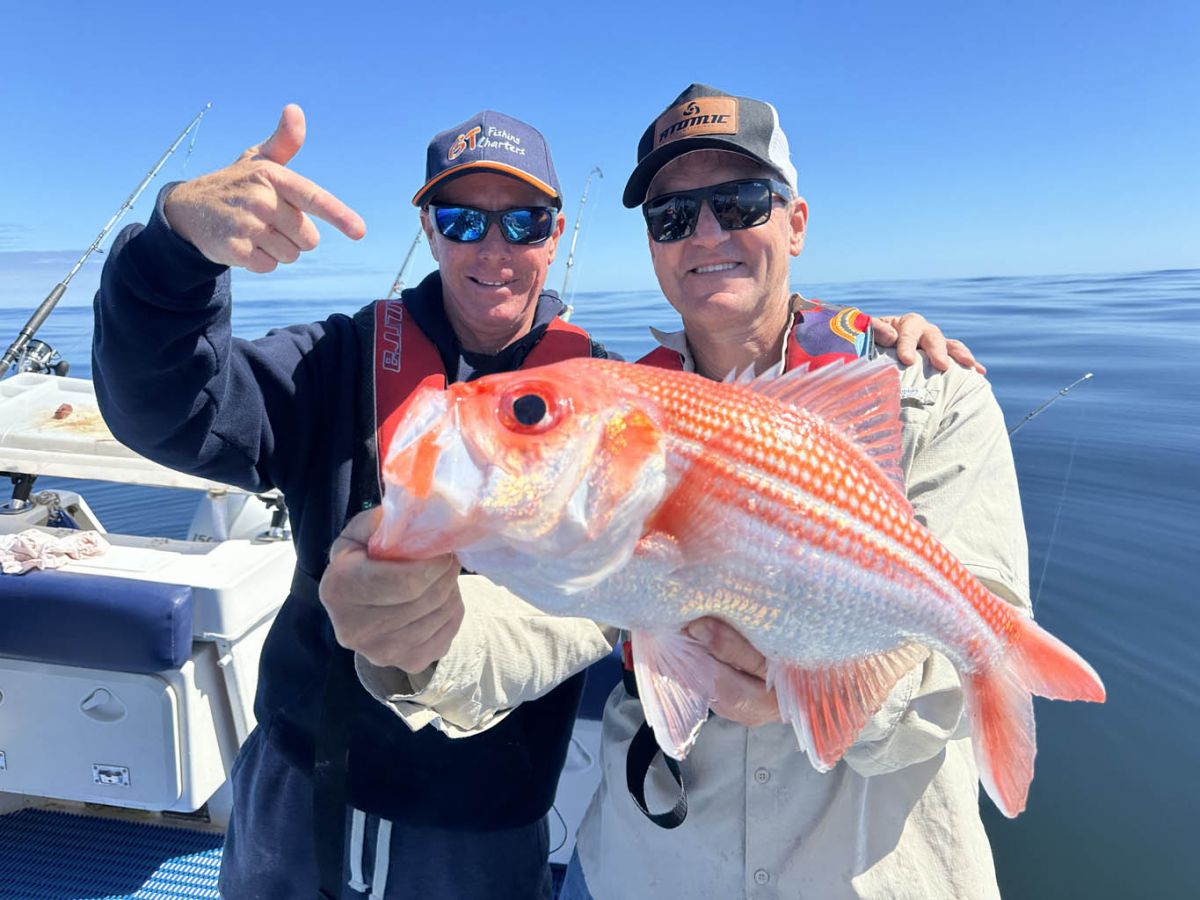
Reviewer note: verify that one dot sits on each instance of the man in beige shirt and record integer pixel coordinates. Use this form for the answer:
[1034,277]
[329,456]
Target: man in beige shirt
[898,816]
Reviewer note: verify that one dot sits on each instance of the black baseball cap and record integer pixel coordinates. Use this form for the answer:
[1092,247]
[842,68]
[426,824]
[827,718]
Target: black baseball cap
[489,141]
[704,118]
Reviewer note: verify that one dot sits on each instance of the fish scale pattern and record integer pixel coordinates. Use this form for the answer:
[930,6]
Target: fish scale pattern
[52,855]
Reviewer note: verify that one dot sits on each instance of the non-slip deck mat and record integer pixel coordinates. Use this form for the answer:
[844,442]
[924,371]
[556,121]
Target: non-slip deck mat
[51,855]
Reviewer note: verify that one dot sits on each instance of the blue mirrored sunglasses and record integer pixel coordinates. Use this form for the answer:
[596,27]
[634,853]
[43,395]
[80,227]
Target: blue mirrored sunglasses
[519,225]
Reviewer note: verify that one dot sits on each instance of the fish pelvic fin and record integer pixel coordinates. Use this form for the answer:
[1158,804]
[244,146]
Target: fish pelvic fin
[829,706]
[999,703]
[675,678]
[860,397]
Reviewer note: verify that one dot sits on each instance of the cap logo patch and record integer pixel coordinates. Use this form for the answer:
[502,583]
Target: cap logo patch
[462,142]
[704,115]
[494,139]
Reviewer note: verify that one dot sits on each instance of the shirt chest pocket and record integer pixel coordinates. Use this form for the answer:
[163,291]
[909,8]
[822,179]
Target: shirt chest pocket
[916,415]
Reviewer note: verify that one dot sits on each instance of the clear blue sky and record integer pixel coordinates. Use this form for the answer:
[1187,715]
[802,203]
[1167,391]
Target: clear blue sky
[932,138]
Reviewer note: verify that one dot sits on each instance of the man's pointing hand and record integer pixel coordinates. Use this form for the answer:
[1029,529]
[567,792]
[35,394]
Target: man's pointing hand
[255,212]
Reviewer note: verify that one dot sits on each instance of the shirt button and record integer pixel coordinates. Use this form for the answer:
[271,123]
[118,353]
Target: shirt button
[761,876]
[762,776]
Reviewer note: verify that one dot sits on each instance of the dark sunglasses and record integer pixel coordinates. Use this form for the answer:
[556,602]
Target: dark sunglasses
[734,204]
[520,225]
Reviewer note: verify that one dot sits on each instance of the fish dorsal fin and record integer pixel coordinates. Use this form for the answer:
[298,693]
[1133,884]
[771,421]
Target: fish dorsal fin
[861,397]
[829,706]
[745,377]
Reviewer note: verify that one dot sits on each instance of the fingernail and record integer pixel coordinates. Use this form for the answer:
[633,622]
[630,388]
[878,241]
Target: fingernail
[700,631]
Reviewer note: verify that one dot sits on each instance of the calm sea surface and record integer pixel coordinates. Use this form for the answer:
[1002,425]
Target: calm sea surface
[1110,480]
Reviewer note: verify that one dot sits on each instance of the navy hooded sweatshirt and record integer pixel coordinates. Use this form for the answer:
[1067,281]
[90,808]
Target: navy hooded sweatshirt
[293,411]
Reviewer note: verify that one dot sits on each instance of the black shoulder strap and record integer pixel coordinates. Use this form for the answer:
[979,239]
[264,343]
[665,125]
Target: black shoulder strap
[638,760]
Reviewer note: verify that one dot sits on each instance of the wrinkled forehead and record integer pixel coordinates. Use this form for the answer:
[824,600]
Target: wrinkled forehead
[701,168]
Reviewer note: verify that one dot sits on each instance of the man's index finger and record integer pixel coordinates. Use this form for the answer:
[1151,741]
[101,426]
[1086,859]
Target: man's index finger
[309,197]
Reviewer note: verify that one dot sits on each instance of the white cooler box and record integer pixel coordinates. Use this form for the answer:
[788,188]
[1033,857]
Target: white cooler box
[158,740]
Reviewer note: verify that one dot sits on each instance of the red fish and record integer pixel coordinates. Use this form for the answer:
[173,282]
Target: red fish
[645,499]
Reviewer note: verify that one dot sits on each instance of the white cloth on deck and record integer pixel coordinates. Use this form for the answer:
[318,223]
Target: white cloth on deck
[35,549]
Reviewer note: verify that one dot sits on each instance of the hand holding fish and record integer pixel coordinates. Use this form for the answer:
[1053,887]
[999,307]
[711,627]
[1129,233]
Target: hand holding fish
[395,613]
[740,691]
[255,212]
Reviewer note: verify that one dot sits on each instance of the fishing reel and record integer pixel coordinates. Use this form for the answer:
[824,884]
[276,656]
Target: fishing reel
[42,359]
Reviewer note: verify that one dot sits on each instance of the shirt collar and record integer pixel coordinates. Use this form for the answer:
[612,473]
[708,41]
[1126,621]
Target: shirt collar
[677,340]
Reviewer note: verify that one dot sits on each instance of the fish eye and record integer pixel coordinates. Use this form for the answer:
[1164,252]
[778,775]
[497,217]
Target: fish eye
[529,409]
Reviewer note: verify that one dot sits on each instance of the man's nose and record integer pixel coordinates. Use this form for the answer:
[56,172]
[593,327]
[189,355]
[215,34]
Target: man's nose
[708,231]
[493,242]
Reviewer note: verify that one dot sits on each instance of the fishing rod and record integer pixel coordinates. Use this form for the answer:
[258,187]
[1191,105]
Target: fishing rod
[574,237]
[398,284]
[1033,414]
[41,354]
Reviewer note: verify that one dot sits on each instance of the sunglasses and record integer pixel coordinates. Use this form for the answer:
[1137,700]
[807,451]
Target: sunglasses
[734,204]
[519,225]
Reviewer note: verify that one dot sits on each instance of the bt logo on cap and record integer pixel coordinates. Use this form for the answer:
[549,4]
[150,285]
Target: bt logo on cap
[463,141]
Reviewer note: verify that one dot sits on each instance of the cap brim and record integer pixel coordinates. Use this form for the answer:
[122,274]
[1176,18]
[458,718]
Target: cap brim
[644,172]
[422,196]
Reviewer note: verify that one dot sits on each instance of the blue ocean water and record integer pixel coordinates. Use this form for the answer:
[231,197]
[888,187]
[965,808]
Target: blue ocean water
[1110,482]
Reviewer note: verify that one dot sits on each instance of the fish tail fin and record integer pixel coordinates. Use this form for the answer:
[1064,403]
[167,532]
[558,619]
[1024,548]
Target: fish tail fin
[1049,668]
[1002,733]
[999,703]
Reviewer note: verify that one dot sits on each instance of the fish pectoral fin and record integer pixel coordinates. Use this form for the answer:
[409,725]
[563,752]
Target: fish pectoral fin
[829,706]
[675,678]
[692,515]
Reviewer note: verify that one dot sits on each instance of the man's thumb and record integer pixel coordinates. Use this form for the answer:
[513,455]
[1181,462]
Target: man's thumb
[288,138]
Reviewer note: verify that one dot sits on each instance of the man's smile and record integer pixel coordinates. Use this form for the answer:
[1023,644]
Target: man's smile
[493,284]
[714,267]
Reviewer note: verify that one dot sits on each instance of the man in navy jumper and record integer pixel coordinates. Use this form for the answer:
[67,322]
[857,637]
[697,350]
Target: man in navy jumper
[294,411]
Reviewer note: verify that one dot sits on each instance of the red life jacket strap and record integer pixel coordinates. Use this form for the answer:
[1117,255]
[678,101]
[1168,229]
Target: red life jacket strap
[562,340]
[405,360]
[663,358]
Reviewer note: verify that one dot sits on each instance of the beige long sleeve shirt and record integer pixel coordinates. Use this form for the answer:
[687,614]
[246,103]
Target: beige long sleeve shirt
[897,817]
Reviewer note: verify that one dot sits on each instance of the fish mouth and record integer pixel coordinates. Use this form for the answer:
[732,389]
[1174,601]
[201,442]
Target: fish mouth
[432,484]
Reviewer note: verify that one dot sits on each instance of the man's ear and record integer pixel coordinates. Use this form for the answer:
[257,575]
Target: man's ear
[798,222]
[427,227]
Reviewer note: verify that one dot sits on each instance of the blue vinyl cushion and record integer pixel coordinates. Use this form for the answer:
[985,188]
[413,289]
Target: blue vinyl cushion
[95,621]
